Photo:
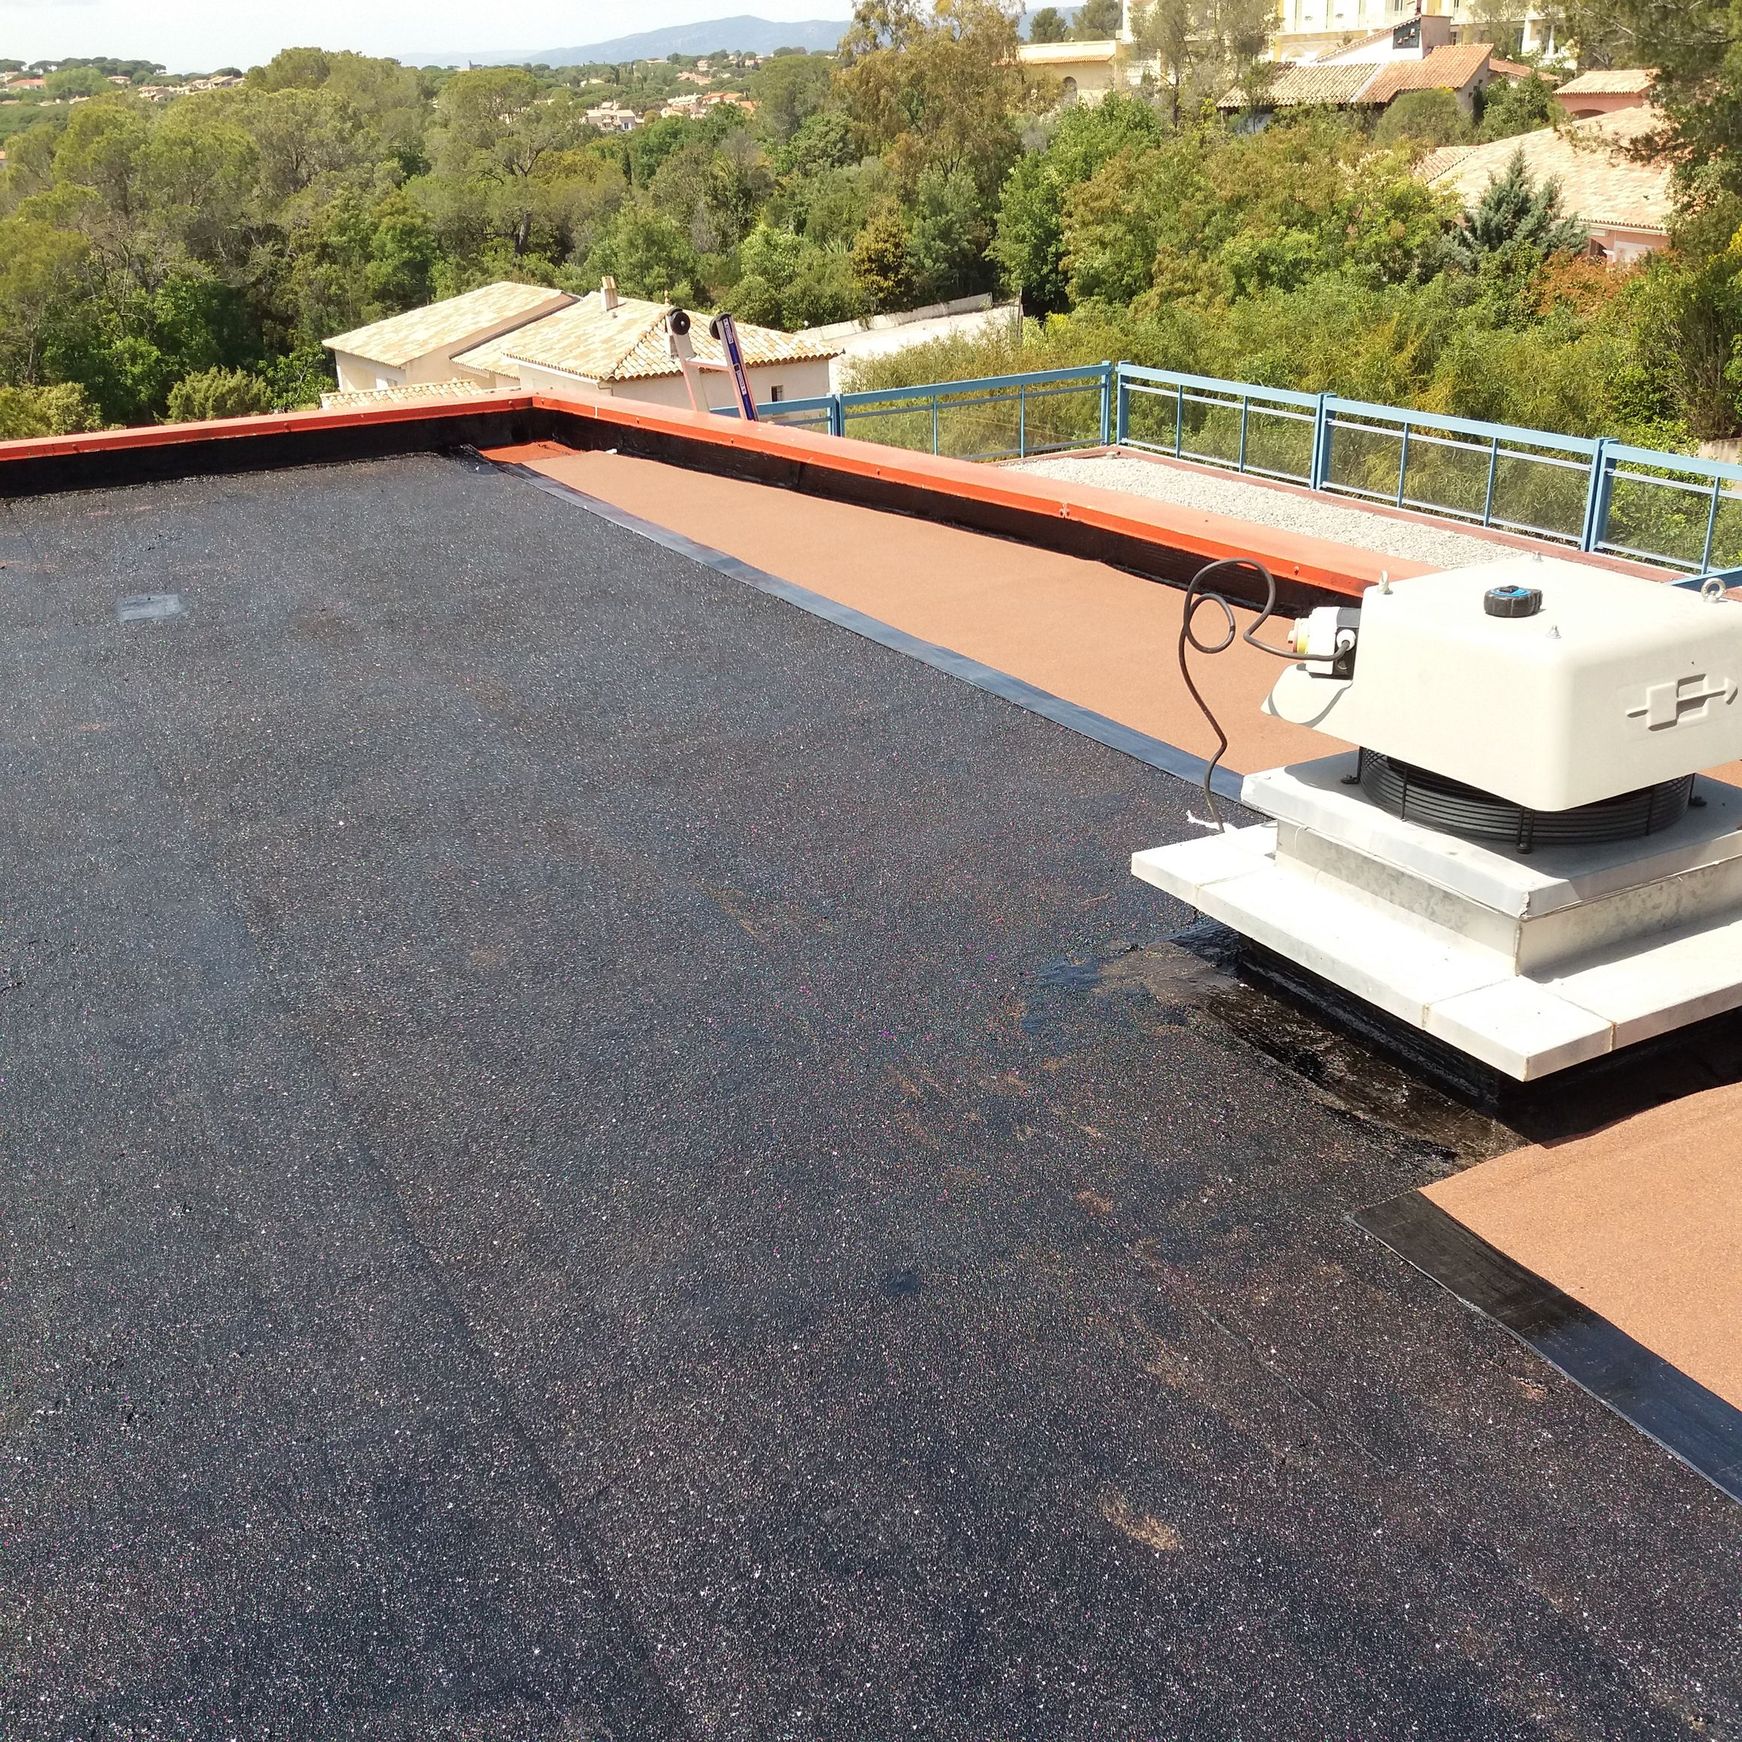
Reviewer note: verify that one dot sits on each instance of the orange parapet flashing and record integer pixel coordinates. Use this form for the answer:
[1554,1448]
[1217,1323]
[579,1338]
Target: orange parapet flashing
[171,435]
[1307,561]
[1142,533]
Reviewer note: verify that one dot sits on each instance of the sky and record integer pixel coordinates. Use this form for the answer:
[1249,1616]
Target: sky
[197,35]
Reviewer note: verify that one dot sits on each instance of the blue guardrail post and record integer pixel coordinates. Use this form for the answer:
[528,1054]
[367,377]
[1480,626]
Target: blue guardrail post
[1321,461]
[1106,404]
[1596,525]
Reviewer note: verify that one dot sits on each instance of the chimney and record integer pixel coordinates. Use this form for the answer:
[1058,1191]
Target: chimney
[608,292]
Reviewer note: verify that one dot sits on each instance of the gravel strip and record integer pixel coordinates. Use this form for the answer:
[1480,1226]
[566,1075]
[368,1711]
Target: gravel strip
[1223,493]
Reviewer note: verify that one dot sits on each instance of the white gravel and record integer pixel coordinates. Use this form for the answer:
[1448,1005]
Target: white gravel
[1318,517]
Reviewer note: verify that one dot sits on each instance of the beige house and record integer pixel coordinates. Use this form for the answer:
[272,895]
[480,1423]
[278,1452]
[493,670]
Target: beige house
[618,345]
[1606,91]
[1086,71]
[1461,68]
[525,336]
[1623,200]
[419,346]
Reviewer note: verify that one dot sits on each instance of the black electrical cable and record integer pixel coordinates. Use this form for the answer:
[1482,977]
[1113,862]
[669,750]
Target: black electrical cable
[1196,595]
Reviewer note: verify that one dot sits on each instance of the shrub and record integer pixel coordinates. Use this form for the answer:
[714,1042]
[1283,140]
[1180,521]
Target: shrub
[216,393]
[1424,118]
[64,409]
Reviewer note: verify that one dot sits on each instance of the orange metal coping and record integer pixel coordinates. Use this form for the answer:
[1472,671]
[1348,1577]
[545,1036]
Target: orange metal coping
[1311,562]
[807,460]
[166,435]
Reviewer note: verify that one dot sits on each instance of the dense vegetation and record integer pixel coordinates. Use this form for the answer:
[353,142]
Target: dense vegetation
[187,258]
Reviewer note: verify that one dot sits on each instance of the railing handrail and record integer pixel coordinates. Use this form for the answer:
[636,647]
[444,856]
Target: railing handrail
[1331,415]
[1514,435]
[980,384]
[1214,384]
[1620,452]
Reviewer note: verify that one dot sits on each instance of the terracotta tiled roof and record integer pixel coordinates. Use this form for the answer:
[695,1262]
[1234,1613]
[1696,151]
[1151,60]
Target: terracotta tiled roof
[413,393]
[491,357]
[1371,40]
[1443,69]
[1515,69]
[1599,181]
[442,325]
[1297,87]
[1435,163]
[628,343]
[1610,82]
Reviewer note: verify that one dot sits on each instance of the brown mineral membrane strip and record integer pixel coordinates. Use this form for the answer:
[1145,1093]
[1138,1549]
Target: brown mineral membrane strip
[1079,630]
[1641,1222]
[1086,632]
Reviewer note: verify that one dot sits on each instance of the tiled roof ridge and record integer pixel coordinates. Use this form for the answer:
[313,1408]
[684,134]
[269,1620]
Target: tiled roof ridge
[398,339]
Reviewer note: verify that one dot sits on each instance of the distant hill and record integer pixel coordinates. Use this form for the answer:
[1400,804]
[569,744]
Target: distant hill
[746,34]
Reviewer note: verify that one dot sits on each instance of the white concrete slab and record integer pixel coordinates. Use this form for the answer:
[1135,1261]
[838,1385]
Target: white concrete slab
[1186,867]
[1397,964]
[1446,984]
[1521,1028]
[1648,991]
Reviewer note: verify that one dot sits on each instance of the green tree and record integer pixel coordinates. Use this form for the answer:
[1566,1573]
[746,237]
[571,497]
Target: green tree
[824,142]
[649,256]
[1211,216]
[216,393]
[1514,106]
[1518,218]
[1029,245]
[75,82]
[44,279]
[1048,25]
[823,289]
[712,191]
[1422,119]
[935,89]
[883,262]
[299,69]
[788,91]
[1202,47]
[297,379]
[495,130]
[299,136]
[948,235]
[1097,20]
[1687,314]
[62,409]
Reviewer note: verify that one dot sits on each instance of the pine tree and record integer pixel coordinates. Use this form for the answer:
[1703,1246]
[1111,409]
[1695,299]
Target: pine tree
[1515,213]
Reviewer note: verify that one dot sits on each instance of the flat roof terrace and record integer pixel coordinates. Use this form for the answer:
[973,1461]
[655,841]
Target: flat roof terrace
[593,1153]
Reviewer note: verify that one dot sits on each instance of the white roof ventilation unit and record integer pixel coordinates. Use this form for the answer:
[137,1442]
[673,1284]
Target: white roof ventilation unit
[1522,857]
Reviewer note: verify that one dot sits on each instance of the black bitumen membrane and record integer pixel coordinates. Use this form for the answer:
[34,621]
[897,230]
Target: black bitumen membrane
[589,1155]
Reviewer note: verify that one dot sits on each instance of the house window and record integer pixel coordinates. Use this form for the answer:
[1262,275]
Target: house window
[1068,91]
[776,393]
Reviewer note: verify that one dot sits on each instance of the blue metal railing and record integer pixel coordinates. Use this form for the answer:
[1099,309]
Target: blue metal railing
[997,417]
[1592,494]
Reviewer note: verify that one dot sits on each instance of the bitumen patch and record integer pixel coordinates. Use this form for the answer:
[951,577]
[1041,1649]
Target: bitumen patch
[589,1154]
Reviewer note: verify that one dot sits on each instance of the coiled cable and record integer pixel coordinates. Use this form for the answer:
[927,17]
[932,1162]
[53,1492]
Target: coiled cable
[1197,594]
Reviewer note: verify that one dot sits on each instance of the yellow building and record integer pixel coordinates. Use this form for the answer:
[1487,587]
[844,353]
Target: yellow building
[1086,71]
[1311,29]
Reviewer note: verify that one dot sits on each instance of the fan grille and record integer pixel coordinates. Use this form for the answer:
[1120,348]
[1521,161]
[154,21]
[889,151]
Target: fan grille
[1438,803]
